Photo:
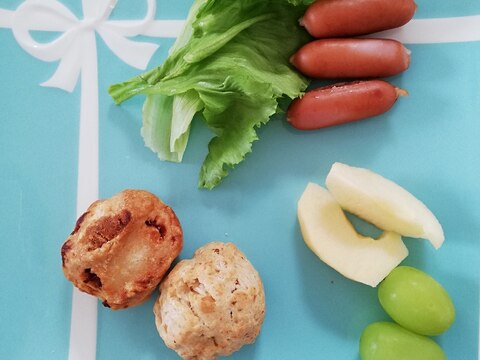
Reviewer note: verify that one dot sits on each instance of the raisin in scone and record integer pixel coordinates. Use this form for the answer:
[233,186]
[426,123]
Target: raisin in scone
[121,248]
[210,305]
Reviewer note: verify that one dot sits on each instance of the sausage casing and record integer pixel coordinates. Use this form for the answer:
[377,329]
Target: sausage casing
[342,103]
[351,58]
[338,18]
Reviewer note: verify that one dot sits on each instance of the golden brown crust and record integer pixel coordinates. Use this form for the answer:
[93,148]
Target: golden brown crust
[121,248]
[210,305]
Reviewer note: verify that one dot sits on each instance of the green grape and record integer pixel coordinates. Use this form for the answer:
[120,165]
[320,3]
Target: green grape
[416,301]
[390,341]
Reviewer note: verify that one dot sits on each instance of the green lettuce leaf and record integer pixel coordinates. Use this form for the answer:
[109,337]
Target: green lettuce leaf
[301,2]
[166,123]
[231,64]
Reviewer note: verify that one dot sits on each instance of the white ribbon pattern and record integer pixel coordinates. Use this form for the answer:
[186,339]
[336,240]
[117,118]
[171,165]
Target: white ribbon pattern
[71,47]
[76,51]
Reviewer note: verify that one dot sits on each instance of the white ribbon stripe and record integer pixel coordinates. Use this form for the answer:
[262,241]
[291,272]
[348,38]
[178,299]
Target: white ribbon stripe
[76,51]
[439,30]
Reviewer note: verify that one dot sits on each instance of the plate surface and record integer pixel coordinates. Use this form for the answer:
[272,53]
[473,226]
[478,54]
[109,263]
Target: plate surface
[428,143]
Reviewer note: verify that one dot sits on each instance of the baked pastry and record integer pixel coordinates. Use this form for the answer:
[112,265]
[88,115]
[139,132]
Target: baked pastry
[121,248]
[210,305]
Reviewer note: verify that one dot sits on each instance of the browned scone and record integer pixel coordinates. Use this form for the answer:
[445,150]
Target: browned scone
[210,305]
[121,248]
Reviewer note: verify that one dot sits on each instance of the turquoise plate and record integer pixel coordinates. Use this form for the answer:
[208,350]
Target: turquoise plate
[428,143]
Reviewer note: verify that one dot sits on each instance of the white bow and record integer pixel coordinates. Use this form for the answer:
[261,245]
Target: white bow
[77,41]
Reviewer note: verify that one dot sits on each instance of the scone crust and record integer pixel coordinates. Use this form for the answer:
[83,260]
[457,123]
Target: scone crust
[121,248]
[210,305]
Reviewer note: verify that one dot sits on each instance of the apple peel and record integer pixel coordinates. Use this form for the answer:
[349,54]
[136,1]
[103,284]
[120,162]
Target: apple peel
[383,203]
[330,235]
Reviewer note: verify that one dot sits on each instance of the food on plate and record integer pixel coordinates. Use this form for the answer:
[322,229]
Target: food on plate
[389,341]
[210,305]
[383,203]
[416,301]
[231,65]
[351,58]
[342,103]
[121,248]
[329,234]
[334,56]
[334,18]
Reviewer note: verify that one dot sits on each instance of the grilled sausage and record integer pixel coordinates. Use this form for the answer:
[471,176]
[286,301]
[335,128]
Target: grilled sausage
[351,58]
[342,103]
[338,18]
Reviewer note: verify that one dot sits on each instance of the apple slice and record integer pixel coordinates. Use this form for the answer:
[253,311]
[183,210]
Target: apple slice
[330,235]
[383,203]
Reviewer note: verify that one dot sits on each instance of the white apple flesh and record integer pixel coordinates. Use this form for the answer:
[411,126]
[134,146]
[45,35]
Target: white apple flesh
[330,235]
[383,203]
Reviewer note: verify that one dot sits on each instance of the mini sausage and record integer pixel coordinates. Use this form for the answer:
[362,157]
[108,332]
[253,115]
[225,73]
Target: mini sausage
[342,103]
[351,58]
[337,18]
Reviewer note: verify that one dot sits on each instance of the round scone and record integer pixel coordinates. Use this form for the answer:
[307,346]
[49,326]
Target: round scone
[121,248]
[210,305]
